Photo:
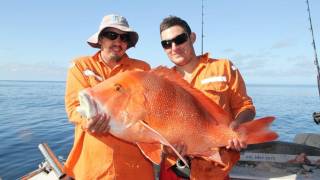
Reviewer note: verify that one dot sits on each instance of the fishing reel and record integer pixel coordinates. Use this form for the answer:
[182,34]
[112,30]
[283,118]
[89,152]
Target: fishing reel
[181,169]
[316,117]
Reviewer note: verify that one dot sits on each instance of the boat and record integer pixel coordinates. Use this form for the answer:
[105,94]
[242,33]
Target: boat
[50,169]
[298,160]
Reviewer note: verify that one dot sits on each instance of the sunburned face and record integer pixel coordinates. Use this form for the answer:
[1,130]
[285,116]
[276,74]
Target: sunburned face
[113,49]
[178,45]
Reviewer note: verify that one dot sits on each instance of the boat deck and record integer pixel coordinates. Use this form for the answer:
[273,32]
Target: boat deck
[266,172]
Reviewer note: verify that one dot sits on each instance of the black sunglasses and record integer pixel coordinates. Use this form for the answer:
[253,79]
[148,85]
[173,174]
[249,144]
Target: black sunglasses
[113,35]
[180,39]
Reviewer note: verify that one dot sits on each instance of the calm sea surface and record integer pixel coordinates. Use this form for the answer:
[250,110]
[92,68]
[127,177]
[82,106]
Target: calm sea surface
[33,113]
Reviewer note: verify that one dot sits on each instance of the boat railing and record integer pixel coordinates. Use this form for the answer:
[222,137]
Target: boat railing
[52,160]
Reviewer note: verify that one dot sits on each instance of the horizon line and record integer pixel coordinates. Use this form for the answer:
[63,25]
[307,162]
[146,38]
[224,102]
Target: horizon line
[248,84]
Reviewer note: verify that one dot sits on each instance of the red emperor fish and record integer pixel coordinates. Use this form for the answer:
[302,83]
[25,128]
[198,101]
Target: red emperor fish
[156,108]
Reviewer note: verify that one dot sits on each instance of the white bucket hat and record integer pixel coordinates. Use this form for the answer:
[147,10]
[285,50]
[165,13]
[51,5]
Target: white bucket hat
[118,22]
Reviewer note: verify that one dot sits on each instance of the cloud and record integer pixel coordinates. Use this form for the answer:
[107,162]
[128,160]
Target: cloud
[272,64]
[303,64]
[251,61]
[282,44]
[37,71]
[228,50]
[6,53]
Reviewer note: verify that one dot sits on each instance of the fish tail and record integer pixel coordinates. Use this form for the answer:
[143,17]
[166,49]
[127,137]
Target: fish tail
[257,131]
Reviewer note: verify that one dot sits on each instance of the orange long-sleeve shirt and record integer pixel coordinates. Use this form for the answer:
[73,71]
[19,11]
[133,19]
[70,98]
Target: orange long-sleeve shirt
[100,156]
[222,82]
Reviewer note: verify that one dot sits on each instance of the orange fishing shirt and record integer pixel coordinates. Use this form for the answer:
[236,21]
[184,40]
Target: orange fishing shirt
[222,82]
[100,156]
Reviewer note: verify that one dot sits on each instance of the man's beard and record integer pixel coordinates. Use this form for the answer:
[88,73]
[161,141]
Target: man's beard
[116,58]
[112,55]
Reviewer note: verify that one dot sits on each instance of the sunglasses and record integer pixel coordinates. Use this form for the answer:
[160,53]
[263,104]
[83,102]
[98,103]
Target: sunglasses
[180,39]
[113,35]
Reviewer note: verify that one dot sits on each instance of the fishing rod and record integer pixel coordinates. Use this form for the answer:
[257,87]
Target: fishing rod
[316,115]
[314,47]
[202,23]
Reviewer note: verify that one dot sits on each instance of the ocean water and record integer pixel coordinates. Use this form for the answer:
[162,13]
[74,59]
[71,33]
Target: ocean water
[33,112]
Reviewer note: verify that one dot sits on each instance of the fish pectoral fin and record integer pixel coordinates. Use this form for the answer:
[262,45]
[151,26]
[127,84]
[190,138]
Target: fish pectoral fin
[162,140]
[215,157]
[151,151]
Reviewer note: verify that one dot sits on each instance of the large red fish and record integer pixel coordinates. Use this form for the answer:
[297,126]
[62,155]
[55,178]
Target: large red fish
[155,108]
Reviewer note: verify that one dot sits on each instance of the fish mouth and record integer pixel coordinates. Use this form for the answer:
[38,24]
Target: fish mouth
[88,107]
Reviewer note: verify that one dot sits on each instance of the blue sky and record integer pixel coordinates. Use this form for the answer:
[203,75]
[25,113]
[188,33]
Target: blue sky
[268,40]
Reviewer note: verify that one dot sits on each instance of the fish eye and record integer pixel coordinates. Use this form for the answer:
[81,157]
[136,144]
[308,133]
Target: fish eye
[117,87]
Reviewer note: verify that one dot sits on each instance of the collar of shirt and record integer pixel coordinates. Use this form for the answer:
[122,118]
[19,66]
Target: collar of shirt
[203,59]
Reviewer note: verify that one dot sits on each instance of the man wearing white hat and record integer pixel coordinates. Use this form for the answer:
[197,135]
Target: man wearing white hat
[95,153]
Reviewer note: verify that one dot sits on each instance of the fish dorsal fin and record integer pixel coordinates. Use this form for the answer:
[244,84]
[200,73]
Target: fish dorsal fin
[214,109]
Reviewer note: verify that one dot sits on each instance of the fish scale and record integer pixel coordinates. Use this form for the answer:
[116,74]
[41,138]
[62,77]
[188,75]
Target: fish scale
[163,109]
